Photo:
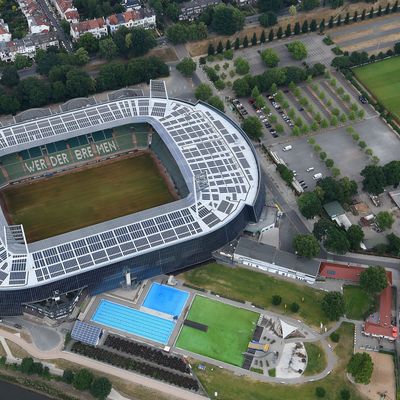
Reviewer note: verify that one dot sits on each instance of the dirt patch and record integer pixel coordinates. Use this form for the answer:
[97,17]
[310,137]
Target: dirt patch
[166,54]
[373,42]
[344,37]
[16,350]
[383,379]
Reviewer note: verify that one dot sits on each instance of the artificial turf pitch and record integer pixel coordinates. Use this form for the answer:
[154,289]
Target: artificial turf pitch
[64,203]
[229,330]
[382,79]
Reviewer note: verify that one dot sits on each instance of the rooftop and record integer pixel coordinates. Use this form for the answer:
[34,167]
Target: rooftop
[334,209]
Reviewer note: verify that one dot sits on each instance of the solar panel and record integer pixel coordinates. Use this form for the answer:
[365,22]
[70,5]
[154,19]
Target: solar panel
[86,333]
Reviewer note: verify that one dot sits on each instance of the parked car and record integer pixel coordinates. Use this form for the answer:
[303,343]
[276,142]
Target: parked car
[363,99]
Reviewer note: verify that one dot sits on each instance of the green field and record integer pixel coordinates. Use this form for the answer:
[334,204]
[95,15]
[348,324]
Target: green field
[316,359]
[229,330]
[247,285]
[232,387]
[357,302]
[63,203]
[382,79]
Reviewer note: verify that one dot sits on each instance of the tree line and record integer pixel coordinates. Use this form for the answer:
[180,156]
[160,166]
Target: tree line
[63,79]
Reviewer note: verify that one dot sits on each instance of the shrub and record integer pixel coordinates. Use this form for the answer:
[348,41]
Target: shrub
[320,391]
[68,376]
[82,379]
[276,300]
[294,307]
[335,337]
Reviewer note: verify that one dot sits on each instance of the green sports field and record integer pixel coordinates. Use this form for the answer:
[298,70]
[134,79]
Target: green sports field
[229,330]
[382,79]
[64,203]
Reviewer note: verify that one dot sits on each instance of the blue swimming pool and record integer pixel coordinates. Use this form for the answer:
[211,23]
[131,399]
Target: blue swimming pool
[166,299]
[133,321]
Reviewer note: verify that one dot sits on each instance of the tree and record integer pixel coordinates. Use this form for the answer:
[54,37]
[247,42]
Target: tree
[139,41]
[216,102]
[271,38]
[297,28]
[309,205]
[373,280]
[285,173]
[108,49]
[392,173]
[21,61]
[347,18]
[245,42]
[306,246]
[288,31]
[292,10]
[89,43]
[9,76]
[304,27]
[330,23]
[203,92]
[263,37]
[294,307]
[241,87]
[355,236]
[81,56]
[308,5]
[395,6]
[335,337]
[79,83]
[220,48]
[82,379]
[268,19]
[329,163]
[100,388]
[253,127]
[371,13]
[68,376]
[237,43]
[313,25]
[297,49]
[186,67]
[27,365]
[279,34]
[363,15]
[355,16]
[360,367]
[254,39]
[336,241]
[374,179]
[320,391]
[276,300]
[344,394]
[384,219]
[32,92]
[270,57]
[242,66]
[210,50]
[322,26]
[333,305]
[227,20]
[9,104]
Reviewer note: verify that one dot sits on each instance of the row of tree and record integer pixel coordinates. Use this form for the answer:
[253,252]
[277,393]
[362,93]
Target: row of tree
[65,81]
[376,178]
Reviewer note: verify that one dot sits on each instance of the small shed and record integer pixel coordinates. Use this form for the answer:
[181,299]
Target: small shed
[334,209]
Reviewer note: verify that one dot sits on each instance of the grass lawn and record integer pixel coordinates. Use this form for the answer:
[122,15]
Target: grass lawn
[245,284]
[316,358]
[357,302]
[229,330]
[233,387]
[382,79]
[67,202]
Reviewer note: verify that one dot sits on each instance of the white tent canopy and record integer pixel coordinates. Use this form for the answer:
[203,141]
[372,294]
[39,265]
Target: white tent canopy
[287,329]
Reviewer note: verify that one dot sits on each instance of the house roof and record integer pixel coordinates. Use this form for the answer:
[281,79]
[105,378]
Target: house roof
[88,25]
[333,209]
[271,255]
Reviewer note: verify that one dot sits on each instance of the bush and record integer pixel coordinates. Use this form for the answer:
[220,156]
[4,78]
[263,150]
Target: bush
[82,379]
[335,337]
[101,388]
[344,394]
[68,376]
[276,300]
[320,391]
[294,307]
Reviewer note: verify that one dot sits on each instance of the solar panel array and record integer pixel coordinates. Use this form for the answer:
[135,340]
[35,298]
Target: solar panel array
[86,333]
[207,148]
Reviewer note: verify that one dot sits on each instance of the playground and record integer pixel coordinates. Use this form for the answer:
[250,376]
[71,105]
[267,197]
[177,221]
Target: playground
[223,332]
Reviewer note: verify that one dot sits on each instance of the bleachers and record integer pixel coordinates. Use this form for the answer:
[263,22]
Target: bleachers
[39,160]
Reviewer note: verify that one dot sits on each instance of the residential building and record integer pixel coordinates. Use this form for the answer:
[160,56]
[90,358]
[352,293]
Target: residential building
[132,5]
[67,10]
[35,16]
[136,18]
[5,35]
[191,10]
[27,46]
[97,27]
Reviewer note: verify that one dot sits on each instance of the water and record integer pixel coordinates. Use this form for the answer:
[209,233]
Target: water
[9,391]
[166,299]
[133,321]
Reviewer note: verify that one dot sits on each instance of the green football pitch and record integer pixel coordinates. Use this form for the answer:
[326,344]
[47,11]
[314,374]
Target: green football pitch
[64,203]
[229,330]
[382,79]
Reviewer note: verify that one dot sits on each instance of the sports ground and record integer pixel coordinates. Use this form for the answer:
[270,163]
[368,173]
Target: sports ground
[382,79]
[63,203]
[229,330]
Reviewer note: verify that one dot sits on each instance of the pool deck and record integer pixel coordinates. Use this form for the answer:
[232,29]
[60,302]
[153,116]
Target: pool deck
[134,299]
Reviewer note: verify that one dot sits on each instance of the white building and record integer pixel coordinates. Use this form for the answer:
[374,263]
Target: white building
[97,27]
[5,35]
[130,19]
[67,10]
[35,16]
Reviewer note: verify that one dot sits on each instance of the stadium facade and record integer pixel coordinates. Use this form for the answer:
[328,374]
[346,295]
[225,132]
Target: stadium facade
[212,162]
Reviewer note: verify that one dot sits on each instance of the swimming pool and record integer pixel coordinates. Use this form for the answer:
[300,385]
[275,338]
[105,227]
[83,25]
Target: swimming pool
[133,321]
[166,299]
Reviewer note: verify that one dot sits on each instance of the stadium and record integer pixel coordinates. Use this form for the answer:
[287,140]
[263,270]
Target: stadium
[106,195]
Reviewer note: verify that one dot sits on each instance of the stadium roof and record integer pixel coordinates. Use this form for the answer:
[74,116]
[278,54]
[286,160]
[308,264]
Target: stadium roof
[216,160]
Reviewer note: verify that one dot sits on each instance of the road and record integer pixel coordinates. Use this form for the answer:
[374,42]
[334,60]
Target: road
[64,39]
